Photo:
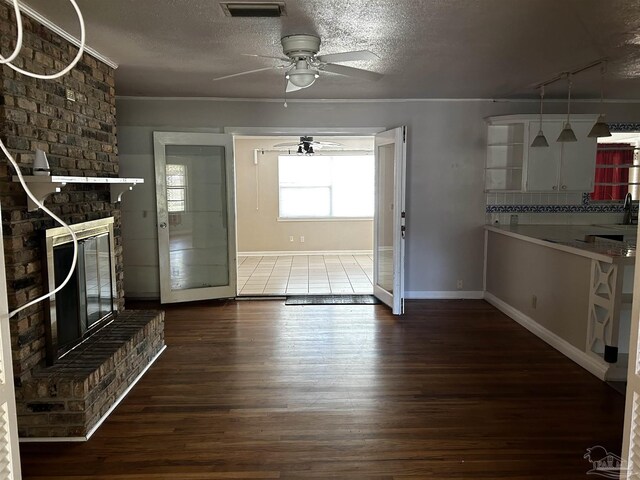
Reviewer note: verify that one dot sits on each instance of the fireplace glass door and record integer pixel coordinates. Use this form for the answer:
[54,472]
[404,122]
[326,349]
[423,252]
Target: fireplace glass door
[97,271]
[88,297]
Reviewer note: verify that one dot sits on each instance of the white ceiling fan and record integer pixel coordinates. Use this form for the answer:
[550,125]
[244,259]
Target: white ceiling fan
[307,144]
[303,64]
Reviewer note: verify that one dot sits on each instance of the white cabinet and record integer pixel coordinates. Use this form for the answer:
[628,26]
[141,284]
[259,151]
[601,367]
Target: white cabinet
[513,165]
[543,162]
[577,168]
[561,167]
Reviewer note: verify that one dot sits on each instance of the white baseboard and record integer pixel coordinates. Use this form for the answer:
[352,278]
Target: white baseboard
[102,419]
[444,295]
[592,365]
[309,252]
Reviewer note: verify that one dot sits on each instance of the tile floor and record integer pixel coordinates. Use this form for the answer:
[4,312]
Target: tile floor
[305,274]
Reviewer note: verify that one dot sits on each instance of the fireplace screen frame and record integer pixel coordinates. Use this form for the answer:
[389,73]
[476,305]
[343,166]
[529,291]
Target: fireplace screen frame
[59,236]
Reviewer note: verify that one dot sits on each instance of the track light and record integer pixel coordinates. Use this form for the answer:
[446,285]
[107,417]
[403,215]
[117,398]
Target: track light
[567,134]
[601,129]
[540,140]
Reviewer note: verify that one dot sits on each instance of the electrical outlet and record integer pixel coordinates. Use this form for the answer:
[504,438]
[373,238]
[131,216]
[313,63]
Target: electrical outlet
[513,220]
[71,95]
[534,302]
[301,238]
[460,284]
[291,238]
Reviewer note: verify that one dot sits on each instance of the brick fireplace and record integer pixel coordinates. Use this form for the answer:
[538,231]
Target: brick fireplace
[79,137]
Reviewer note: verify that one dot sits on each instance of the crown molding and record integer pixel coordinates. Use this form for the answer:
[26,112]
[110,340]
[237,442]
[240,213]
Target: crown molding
[371,100]
[38,17]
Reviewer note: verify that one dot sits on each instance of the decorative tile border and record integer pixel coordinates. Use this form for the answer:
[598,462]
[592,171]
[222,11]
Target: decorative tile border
[585,207]
[624,127]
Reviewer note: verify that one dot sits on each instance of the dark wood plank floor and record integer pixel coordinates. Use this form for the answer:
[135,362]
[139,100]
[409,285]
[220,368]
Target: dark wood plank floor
[259,390]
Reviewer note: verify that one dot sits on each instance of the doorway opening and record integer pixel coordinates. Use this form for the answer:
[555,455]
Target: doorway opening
[305,209]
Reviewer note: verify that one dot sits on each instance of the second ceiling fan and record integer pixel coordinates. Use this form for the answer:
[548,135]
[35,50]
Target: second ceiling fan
[303,64]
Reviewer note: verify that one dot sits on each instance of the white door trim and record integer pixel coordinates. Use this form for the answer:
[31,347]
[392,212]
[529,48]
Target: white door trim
[10,450]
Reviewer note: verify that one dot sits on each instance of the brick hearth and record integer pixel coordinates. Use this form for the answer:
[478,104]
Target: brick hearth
[69,398]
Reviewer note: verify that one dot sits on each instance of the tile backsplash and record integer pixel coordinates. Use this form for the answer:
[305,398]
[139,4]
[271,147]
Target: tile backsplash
[550,208]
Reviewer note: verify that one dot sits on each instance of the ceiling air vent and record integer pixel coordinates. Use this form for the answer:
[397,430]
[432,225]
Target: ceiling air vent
[253,9]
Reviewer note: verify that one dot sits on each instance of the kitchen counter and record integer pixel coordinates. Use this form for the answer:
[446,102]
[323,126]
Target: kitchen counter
[580,240]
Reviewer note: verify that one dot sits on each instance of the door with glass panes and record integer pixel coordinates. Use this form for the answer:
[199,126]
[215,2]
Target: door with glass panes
[196,216]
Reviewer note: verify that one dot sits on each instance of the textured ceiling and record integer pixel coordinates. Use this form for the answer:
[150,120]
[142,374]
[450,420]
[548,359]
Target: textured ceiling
[427,48]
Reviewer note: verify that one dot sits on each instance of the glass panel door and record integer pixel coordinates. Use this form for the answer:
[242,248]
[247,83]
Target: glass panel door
[389,219]
[196,234]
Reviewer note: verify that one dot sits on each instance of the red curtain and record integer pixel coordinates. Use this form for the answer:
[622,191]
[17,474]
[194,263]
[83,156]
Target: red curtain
[607,155]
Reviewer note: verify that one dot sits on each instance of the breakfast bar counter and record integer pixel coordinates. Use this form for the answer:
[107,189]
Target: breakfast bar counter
[569,284]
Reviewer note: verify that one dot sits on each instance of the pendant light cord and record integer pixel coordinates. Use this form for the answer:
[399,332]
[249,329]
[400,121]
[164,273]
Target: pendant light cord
[603,72]
[541,104]
[569,98]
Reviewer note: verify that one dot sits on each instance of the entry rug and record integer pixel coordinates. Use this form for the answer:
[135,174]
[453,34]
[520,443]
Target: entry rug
[332,300]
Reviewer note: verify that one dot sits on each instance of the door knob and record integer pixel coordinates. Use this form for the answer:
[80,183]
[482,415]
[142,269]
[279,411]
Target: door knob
[163,225]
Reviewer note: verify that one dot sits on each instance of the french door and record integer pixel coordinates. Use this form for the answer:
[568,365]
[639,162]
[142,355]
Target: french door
[389,224]
[196,216]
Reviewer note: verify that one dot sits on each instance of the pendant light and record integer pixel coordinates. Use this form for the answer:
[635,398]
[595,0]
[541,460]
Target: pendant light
[601,129]
[567,135]
[540,140]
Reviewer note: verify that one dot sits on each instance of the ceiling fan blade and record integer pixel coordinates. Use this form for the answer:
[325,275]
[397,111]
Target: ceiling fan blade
[250,71]
[284,59]
[352,72]
[292,88]
[315,145]
[348,56]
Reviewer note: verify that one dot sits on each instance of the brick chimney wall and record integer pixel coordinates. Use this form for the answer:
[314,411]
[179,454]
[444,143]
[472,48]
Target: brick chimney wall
[79,138]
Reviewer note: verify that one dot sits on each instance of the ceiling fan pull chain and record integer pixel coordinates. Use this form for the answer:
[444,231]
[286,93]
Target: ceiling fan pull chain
[285,92]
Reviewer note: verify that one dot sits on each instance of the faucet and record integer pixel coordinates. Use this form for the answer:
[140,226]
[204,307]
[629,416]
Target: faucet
[628,216]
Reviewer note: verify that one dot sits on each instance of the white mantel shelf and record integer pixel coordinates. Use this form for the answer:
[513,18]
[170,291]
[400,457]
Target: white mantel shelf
[44,185]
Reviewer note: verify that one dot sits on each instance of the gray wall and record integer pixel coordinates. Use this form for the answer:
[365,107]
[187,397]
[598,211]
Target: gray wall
[445,199]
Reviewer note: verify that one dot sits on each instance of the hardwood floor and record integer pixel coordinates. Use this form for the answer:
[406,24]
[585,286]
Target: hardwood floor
[259,390]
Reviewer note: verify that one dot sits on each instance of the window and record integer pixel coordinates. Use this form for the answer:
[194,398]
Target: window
[326,186]
[176,188]
[617,167]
